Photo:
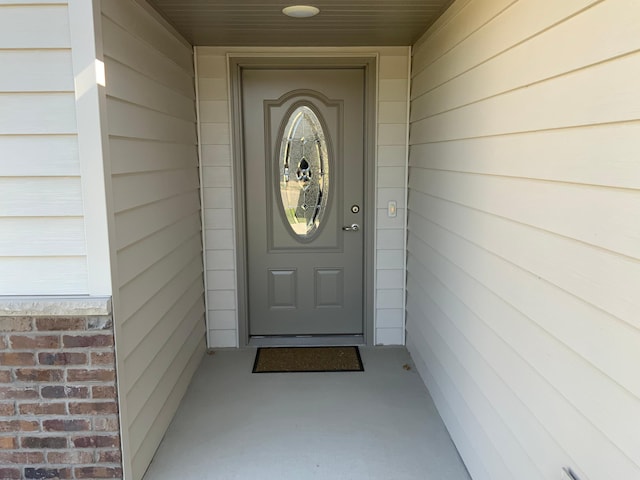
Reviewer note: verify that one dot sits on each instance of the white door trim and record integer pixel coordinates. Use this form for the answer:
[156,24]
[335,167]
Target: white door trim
[235,63]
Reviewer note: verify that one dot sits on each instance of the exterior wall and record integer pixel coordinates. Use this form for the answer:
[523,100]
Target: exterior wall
[58,401]
[523,252]
[159,303]
[217,184]
[42,244]
[217,196]
[391,184]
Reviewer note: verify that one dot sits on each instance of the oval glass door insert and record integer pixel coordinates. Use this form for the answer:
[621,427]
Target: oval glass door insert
[303,166]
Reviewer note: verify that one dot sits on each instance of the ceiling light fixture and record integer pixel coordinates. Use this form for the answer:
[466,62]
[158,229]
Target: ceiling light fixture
[300,11]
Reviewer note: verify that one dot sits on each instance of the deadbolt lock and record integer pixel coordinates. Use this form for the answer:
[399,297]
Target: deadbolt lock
[355,208]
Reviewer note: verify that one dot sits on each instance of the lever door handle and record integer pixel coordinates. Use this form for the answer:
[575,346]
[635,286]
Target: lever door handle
[353,228]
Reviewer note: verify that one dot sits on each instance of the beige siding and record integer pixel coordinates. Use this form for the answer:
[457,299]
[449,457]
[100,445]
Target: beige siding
[153,160]
[523,243]
[393,85]
[217,197]
[218,189]
[42,239]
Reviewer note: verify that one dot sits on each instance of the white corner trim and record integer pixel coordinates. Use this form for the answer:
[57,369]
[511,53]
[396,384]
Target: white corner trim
[234,217]
[406,198]
[54,306]
[92,142]
[196,81]
[374,266]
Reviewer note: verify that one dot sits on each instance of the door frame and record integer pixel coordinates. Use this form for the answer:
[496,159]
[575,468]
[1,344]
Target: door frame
[368,62]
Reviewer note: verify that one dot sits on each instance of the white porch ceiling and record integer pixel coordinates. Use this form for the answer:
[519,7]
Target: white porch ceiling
[261,23]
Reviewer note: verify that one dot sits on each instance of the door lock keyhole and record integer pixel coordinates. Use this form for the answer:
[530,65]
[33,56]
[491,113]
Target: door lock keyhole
[355,208]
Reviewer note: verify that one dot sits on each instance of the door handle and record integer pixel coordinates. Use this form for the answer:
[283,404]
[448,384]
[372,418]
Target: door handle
[353,228]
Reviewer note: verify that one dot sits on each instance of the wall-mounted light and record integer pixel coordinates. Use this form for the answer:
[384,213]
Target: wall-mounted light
[300,11]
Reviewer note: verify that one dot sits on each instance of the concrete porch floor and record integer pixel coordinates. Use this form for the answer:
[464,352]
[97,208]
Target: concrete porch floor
[377,424]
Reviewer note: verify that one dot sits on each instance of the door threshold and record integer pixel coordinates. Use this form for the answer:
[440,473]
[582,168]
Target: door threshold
[307,341]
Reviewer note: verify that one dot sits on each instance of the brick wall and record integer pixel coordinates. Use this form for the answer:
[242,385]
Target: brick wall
[58,399]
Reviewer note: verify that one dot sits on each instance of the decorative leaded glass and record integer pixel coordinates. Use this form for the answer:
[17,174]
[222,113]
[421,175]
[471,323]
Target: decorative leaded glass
[304,172]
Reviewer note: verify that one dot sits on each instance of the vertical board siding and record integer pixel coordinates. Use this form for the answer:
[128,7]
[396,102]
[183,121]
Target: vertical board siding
[42,239]
[523,257]
[218,191]
[154,166]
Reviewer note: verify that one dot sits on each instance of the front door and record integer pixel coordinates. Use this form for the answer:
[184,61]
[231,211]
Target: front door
[303,140]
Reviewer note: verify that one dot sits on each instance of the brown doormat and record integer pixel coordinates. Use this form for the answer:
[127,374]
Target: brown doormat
[308,359]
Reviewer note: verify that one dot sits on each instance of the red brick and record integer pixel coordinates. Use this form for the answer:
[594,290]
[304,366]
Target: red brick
[66,425]
[18,393]
[47,472]
[101,391]
[7,409]
[5,376]
[17,359]
[64,391]
[106,424]
[62,358]
[39,375]
[9,426]
[43,442]
[84,375]
[43,409]
[60,323]
[103,358]
[15,324]
[97,472]
[73,457]
[97,441]
[109,456]
[92,408]
[23,458]
[3,343]
[10,473]
[8,443]
[84,341]
[24,342]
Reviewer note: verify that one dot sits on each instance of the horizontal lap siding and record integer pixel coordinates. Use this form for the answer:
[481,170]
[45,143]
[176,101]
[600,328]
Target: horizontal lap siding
[523,257]
[393,87]
[42,239]
[153,157]
[217,197]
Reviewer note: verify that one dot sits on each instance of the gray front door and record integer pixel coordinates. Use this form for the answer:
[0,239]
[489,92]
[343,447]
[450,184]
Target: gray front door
[303,140]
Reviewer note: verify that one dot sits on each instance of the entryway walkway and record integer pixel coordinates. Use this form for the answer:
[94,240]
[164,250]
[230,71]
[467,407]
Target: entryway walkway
[377,424]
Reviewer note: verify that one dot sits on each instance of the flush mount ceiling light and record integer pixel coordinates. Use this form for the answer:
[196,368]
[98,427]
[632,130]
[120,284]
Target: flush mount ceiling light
[300,11]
